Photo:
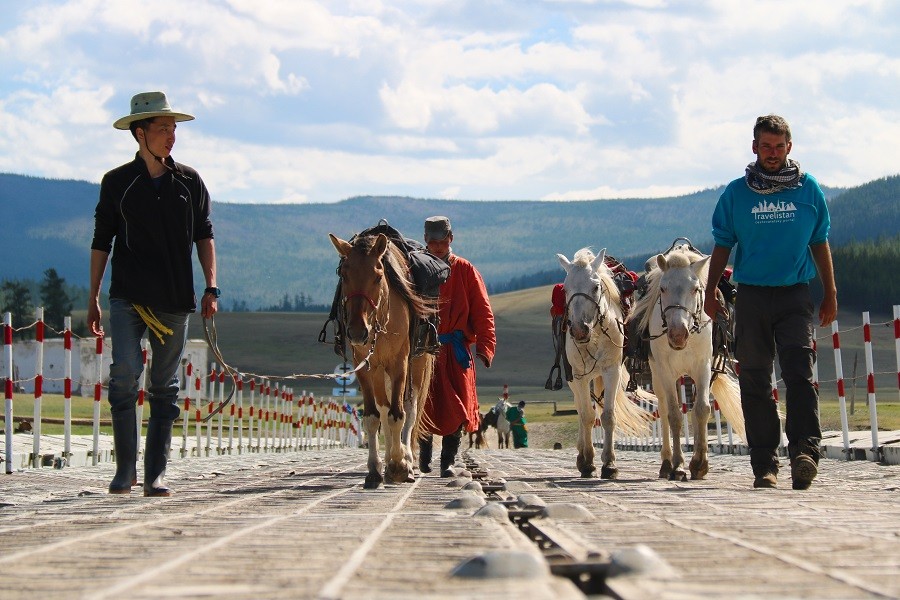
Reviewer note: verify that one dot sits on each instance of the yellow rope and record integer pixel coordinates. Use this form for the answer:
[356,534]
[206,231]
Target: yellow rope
[153,323]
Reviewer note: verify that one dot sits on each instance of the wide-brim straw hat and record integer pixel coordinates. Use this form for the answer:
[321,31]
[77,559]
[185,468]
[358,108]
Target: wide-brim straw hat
[147,105]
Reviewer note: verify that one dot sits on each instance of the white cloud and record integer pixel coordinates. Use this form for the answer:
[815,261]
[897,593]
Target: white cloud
[308,101]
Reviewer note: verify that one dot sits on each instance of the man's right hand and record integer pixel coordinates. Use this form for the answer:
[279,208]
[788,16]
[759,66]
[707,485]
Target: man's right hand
[711,305]
[93,318]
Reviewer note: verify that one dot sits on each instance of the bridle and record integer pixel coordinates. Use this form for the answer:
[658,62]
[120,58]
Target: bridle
[599,320]
[695,315]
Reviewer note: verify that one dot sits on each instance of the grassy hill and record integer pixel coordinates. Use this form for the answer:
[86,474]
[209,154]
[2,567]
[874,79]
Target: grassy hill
[281,344]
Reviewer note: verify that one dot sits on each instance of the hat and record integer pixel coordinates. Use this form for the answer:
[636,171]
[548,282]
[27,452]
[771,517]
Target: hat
[436,228]
[147,105]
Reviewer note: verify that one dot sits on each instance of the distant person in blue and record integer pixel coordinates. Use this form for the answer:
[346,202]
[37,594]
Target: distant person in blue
[151,213]
[777,220]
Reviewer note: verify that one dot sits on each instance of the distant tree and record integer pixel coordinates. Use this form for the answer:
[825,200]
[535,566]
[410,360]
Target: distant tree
[57,304]
[17,301]
[239,306]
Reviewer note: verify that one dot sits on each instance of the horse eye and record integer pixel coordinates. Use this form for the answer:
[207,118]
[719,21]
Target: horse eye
[663,289]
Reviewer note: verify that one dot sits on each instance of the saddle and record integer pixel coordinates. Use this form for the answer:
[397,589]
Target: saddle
[427,272]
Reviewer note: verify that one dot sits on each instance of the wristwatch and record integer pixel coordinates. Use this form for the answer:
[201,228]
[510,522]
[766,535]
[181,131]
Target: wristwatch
[214,291]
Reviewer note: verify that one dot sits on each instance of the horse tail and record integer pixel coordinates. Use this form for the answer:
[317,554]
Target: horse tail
[631,419]
[727,393]
[422,420]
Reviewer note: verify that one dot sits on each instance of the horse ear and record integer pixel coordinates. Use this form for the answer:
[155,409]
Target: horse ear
[599,260]
[380,246]
[564,262]
[698,266]
[661,262]
[343,248]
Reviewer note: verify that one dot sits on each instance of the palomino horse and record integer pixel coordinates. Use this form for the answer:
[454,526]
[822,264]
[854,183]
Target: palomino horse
[380,308]
[594,347]
[680,333]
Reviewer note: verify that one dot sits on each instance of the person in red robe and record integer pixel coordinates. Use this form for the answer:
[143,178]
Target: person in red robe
[466,319]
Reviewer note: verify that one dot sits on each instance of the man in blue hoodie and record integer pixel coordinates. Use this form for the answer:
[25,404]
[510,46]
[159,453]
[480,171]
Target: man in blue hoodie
[777,220]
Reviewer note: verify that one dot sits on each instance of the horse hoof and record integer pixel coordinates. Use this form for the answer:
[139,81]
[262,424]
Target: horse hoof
[678,475]
[699,469]
[373,481]
[587,473]
[609,473]
[397,473]
[665,471]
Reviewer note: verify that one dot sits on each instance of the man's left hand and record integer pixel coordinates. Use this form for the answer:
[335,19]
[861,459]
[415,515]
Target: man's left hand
[484,359]
[209,305]
[827,310]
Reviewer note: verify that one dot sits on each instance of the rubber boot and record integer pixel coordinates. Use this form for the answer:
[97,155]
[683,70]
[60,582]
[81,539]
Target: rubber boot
[125,444]
[449,447]
[156,455]
[426,447]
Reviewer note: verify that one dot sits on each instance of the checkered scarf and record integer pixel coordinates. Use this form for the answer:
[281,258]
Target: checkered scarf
[761,182]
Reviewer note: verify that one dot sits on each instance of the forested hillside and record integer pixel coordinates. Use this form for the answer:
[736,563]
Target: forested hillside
[280,255]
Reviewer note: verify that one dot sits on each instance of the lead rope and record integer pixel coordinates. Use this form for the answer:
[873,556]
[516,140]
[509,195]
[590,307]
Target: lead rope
[212,340]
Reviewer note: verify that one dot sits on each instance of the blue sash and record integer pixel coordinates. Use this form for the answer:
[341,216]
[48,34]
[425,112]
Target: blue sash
[460,351]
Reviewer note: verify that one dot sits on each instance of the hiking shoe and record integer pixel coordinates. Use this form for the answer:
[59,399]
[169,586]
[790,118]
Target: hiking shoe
[803,471]
[769,480]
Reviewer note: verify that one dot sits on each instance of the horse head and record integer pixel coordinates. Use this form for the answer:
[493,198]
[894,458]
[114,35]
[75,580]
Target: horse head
[363,285]
[681,294]
[586,302]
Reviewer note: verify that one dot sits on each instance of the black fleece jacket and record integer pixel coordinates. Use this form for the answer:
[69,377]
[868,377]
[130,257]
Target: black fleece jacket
[154,232]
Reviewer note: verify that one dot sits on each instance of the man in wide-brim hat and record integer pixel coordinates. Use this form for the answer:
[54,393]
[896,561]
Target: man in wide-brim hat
[151,213]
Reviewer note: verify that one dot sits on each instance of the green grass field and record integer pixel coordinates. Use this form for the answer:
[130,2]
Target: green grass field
[285,344]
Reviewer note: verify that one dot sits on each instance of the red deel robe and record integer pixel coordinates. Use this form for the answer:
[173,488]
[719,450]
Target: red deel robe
[453,400]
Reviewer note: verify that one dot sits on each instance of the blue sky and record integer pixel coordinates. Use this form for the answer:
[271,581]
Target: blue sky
[315,101]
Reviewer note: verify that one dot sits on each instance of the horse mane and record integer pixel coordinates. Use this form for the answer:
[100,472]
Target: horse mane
[678,257]
[398,275]
[583,258]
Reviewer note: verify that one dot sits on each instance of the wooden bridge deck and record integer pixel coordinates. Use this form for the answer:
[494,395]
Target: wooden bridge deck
[299,525]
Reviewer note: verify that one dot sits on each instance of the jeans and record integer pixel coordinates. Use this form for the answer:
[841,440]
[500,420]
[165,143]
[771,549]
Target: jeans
[127,360]
[770,319]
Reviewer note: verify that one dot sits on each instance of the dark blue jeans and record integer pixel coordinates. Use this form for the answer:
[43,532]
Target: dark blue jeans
[127,361]
[770,320]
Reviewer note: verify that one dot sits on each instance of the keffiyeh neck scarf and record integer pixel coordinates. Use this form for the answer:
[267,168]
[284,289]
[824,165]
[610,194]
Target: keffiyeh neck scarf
[762,182]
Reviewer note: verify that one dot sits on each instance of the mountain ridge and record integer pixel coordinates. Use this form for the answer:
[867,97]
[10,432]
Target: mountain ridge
[268,251]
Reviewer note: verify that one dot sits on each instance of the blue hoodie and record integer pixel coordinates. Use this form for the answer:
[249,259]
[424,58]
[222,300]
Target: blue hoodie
[772,232]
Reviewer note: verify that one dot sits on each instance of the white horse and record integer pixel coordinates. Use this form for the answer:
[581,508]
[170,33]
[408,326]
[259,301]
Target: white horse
[680,333]
[594,318]
[503,429]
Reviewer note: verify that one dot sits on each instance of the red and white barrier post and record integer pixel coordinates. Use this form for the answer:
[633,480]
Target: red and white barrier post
[839,376]
[38,387]
[188,373]
[870,385]
[198,412]
[897,341]
[98,394]
[142,393]
[67,389]
[8,389]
